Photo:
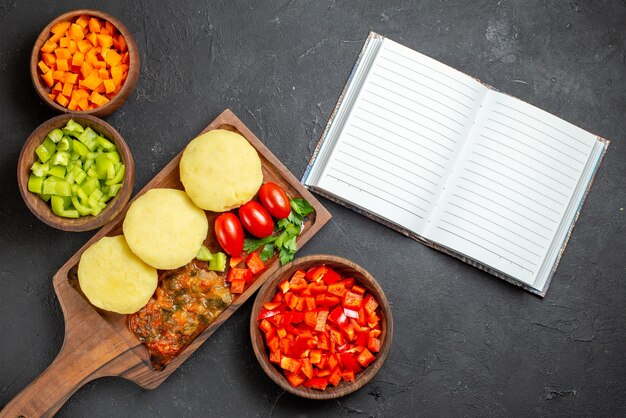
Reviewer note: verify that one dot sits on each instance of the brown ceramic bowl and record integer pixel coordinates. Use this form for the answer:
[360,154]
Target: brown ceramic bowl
[133,66]
[41,209]
[347,269]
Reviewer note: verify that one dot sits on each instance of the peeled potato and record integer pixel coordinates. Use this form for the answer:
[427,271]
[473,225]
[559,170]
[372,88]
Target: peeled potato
[115,279]
[220,170]
[165,229]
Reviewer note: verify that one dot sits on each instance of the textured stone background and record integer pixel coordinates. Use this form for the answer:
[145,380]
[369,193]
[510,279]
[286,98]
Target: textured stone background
[466,344]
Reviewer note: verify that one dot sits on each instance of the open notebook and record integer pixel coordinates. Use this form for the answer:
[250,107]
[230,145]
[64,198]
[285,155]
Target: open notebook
[446,160]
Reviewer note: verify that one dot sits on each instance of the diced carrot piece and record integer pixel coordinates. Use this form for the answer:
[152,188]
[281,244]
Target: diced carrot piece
[83,21]
[94,25]
[58,75]
[112,58]
[84,45]
[99,64]
[73,105]
[71,78]
[122,41]
[55,38]
[91,82]
[62,65]
[73,47]
[78,58]
[47,77]
[49,46]
[105,41]
[93,38]
[62,53]
[58,87]
[103,74]
[64,42]
[82,93]
[86,68]
[126,58]
[83,104]
[43,67]
[117,73]
[60,27]
[62,100]
[67,89]
[48,58]
[52,96]
[90,57]
[75,32]
[109,86]
[110,28]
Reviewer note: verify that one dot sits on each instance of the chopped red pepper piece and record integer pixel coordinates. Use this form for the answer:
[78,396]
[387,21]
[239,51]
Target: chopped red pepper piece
[373,344]
[358,289]
[319,383]
[237,286]
[254,263]
[297,282]
[337,289]
[235,261]
[321,320]
[315,274]
[265,325]
[335,377]
[338,316]
[348,376]
[295,379]
[370,304]
[348,362]
[271,305]
[239,274]
[366,357]
[284,286]
[352,301]
[331,276]
[363,339]
[275,355]
[307,368]
[351,313]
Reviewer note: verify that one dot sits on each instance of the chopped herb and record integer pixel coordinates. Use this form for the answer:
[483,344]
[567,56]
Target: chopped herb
[268,252]
[251,244]
[301,207]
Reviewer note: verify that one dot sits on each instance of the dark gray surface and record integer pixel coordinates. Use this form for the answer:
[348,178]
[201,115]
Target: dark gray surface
[466,343]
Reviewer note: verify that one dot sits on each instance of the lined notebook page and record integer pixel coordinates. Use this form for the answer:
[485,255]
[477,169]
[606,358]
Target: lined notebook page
[512,187]
[402,137]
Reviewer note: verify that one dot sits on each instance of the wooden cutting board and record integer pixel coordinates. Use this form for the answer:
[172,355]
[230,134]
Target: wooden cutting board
[98,343]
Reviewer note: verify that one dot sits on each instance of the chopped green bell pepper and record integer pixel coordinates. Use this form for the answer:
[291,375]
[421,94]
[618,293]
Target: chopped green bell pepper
[204,254]
[45,150]
[218,262]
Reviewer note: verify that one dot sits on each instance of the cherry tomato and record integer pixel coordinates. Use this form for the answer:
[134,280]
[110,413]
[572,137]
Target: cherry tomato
[256,219]
[229,233]
[275,200]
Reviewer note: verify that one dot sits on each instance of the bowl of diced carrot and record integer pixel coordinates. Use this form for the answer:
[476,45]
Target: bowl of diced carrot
[85,61]
[321,327]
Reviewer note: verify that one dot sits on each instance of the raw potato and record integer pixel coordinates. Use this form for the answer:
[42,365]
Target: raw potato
[165,229]
[220,170]
[115,279]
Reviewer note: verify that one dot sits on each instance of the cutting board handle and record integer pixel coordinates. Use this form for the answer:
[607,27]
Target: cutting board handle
[91,349]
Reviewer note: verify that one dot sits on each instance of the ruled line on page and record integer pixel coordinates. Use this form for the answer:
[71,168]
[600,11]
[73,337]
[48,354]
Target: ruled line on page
[402,136]
[413,110]
[532,148]
[400,125]
[561,152]
[413,70]
[518,193]
[496,223]
[529,156]
[395,123]
[415,91]
[369,164]
[387,89]
[397,145]
[486,249]
[396,155]
[409,192]
[541,132]
[491,232]
[508,198]
[375,195]
[518,182]
[434,69]
[523,164]
[501,215]
[423,85]
[540,121]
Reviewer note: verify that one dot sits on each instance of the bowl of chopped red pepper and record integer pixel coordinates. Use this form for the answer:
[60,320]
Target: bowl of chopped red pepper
[321,327]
